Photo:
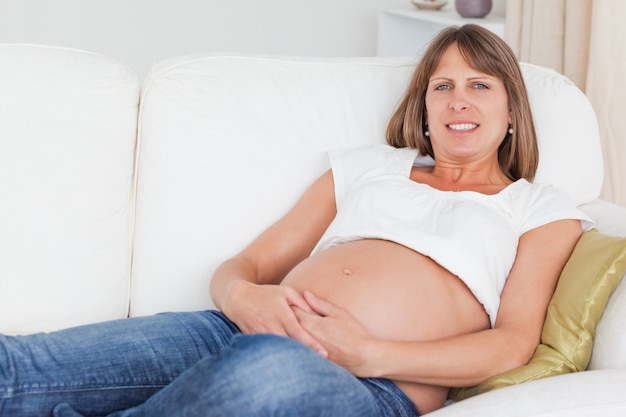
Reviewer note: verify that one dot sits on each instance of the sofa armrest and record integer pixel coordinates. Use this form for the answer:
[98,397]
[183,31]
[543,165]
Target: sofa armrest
[583,394]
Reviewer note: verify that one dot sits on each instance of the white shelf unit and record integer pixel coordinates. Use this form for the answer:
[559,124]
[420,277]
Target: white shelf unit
[407,31]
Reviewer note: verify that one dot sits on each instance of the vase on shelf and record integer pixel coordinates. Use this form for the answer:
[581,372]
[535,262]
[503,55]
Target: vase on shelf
[473,8]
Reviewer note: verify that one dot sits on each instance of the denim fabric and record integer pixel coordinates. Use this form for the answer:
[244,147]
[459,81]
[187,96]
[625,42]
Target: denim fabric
[181,364]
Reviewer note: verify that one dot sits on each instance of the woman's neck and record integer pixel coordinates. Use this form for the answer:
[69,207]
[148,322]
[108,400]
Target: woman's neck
[448,177]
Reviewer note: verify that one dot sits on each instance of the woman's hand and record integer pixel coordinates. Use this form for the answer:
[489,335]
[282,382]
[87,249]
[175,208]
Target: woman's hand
[246,286]
[269,309]
[345,340]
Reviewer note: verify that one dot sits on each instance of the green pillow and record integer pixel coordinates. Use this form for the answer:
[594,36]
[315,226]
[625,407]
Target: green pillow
[587,281]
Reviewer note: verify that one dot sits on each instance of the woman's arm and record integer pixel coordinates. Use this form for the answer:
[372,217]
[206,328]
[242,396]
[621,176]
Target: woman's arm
[245,287]
[463,360]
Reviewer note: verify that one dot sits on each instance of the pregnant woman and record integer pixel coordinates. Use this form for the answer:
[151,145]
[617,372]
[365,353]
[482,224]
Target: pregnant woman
[406,269]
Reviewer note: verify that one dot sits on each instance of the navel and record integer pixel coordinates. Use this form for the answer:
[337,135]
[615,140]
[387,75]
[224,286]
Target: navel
[347,272]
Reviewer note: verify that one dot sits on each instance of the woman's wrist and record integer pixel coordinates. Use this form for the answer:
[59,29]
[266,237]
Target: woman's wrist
[231,295]
[375,356]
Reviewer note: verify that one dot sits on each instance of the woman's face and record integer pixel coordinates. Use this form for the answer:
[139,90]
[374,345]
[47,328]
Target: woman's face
[467,111]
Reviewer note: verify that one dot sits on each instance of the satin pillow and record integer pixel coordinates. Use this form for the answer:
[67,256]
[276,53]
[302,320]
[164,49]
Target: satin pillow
[587,281]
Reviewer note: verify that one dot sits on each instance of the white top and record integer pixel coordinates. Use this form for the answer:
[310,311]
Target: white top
[472,235]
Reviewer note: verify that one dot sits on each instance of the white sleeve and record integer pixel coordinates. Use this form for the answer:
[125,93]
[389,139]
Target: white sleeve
[348,165]
[546,204]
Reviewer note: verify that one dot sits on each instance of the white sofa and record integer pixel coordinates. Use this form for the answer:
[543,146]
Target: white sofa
[120,199]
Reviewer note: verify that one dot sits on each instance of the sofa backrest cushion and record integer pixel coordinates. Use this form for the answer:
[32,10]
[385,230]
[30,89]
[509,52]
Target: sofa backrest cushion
[67,134]
[228,143]
[570,154]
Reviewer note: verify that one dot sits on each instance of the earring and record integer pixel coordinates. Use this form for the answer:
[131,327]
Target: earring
[510,130]
[426,132]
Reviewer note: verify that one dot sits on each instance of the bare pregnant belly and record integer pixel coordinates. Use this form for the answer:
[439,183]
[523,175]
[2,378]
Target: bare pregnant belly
[395,293]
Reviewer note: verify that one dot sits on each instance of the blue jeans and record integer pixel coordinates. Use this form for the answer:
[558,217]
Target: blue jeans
[181,364]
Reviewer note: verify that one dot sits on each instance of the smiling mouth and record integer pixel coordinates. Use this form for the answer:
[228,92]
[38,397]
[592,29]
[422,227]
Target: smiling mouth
[463,126]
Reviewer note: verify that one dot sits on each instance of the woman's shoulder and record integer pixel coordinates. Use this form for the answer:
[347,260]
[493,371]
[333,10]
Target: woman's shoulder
[540,192]
[376,151]
[540,203]
[379,155]
[353,165]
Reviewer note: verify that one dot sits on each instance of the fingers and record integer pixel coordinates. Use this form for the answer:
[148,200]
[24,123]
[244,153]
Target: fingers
[319,305]
[295,299]
[298,333]
[272,309]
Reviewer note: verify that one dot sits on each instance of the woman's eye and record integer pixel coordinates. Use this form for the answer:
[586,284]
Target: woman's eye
[443,87]
[481,86]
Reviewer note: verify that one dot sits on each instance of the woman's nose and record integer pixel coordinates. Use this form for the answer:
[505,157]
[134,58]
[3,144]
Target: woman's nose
[459,103]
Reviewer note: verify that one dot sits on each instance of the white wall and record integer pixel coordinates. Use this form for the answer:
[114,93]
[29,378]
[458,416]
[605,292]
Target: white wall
[139,32]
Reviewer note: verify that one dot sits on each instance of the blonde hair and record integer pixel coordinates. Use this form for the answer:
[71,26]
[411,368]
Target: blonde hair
[518,155]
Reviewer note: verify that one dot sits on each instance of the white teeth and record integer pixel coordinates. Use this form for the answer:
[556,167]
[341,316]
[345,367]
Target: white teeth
[463,126]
